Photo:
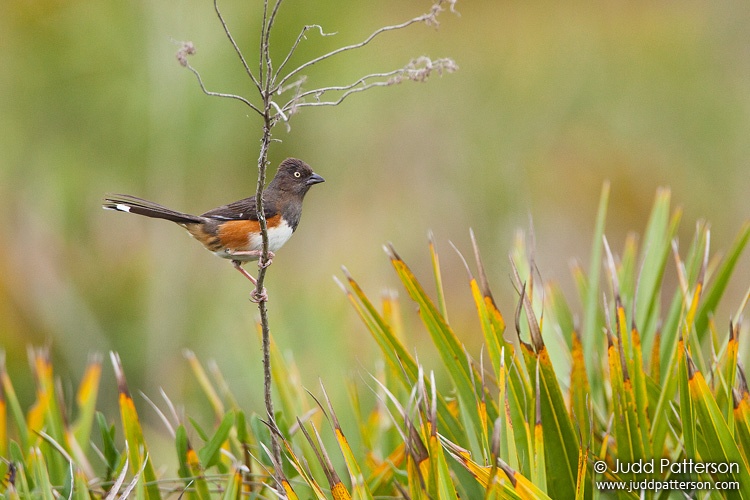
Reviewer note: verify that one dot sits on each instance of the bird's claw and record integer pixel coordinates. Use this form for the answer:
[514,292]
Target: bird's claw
[257,298]
[262,263]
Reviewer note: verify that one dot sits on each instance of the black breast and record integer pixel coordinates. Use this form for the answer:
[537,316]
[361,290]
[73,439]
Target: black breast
[291,214]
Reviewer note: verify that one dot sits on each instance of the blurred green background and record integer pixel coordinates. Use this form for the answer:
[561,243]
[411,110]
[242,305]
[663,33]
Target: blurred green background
[551,100]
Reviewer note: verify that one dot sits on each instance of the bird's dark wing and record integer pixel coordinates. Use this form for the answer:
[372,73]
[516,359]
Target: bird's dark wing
[244,209]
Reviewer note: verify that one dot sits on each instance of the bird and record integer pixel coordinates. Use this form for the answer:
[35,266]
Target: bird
[233,231]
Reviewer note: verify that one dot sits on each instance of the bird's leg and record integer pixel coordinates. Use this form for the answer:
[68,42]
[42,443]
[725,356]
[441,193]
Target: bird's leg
[256,254]
[238,265]
[254,295]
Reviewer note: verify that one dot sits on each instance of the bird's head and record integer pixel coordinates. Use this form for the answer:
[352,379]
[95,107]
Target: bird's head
[295,176]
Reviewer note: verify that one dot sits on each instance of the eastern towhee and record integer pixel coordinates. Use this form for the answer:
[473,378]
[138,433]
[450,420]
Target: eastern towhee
[232,231]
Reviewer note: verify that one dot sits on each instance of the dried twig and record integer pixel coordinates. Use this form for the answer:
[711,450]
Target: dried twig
[235,46]
[418,70]
[429,18]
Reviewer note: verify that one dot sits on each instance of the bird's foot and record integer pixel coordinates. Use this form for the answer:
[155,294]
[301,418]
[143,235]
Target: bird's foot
[257,298]
[262,264]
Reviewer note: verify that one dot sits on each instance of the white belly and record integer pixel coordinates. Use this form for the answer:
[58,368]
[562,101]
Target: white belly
[277,236]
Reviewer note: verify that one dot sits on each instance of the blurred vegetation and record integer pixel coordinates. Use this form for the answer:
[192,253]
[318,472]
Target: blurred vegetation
[535,416]
[550,100]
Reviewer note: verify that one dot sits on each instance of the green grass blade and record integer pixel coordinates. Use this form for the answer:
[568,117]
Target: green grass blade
[17,458]
[687,409]
[81,487]
[86,399]
[641,400]
[583,485]
[523,487]
[139,458]
[450,349]
[434,258]
[666,394]
[538,472]
[719,282]
[397,356]
[300,467]
[560,441]
[233,486]
[559,314]
[205,384]
[579,390]
[360,489]
[43,485]
[3,427]
[189,467]
[492,337]
[210,453]
[626,270]
[742,423]
[112,456]
[619,403]
[49,410]
[656,246]
[402,365]
[590,332]
[440,472]
[284,373]
[12,401]
[493,324]
[729,373]
[183,446]
[720,444]
[671,329]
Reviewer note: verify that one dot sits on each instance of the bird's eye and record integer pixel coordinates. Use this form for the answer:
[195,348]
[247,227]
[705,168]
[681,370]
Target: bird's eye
[297,174]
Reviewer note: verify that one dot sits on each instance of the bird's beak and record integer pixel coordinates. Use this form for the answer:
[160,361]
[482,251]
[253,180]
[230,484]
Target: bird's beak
[314,179]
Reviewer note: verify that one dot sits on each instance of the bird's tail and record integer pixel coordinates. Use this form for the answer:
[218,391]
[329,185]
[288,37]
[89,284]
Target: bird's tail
[134,205]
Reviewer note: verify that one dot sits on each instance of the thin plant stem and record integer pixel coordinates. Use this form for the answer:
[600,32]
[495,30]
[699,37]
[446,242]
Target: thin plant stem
[262,307]
[234,44]
[416,70]
[222,94]
[296,44]
[354,46]
[268,122]
[267,47]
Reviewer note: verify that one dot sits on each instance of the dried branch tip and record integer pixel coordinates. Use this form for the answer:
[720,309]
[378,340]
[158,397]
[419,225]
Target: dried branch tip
[430,18]
[186,49]
[420,69]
